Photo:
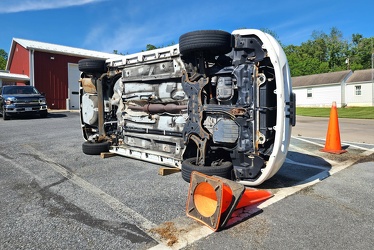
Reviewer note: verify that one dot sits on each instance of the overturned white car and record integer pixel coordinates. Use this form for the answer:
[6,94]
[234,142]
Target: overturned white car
[217,103]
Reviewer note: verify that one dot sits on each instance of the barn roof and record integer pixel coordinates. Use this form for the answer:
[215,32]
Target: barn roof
[365,75]
[49,47]
[57,49]
[321,79]
[6,76]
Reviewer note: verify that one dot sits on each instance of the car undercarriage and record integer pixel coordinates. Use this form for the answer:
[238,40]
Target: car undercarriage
[217,103]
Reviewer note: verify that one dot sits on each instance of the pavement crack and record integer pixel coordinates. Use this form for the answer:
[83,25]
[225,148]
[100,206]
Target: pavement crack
[5,156]
[56,183]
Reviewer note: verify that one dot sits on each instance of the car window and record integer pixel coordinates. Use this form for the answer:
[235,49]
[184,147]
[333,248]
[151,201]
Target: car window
[8,90]
[24,90]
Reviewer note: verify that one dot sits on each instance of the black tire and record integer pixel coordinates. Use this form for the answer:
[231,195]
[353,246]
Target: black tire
[5,115]
[214,42]
[223,170]
[92,66]
[91,148]
[43,114]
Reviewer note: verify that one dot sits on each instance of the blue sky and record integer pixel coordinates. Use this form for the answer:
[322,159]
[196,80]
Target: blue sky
[129,25]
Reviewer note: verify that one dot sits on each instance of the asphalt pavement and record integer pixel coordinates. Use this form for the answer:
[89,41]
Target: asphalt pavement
[336,213]
[351,130]
[52,196]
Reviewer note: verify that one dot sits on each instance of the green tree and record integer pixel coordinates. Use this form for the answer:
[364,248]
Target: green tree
[3,59]
[336,48]
[366,51]
[119,53]
[328,53]
[150,47]
[360,52]
[303,62]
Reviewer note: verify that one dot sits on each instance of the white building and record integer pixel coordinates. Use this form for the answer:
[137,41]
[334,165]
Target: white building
[346,88]
[359,88]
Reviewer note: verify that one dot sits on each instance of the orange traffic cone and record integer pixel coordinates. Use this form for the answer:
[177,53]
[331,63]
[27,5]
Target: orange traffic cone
[212,199]
[333,144]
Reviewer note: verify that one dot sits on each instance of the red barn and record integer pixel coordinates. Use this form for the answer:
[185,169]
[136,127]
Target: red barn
[52,69]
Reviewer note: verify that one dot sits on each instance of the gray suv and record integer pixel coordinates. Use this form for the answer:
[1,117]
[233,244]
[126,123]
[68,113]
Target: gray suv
[20,100]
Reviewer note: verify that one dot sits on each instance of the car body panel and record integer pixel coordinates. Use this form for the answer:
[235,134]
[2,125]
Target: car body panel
[283,91]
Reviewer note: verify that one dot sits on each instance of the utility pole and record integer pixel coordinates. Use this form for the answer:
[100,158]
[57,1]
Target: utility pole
[372,74]
[372,67]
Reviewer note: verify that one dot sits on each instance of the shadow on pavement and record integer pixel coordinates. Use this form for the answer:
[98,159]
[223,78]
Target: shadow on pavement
[297,169]
[36,116]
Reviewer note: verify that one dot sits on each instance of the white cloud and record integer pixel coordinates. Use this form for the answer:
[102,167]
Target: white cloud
[296,36]
[14,6]
[126,39]
[131,35]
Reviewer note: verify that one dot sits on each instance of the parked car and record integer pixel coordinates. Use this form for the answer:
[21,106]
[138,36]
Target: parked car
[217,103]
[21,100]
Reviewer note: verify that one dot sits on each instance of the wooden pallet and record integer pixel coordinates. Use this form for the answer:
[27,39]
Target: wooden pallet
[167,171]
[104,155]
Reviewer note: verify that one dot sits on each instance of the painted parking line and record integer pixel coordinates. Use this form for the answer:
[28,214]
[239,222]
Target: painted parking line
[246,212]
[358,147]
[117,206]
[279,195]
[14,164]
[308,141]
[189,235]
[305,164]
[308,152]
[287,191]
[368,152]
[191,230]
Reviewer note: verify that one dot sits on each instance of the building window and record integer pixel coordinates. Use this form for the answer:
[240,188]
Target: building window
[358,90]
[309,93]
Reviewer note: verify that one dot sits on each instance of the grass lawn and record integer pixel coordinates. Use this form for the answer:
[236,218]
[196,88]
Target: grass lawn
[348,112]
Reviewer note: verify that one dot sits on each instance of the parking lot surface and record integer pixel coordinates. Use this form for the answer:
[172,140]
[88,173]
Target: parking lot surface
[52,196]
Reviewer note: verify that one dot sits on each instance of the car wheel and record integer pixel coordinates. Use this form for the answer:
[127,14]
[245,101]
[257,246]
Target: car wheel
[223,169]
[44,114]
[95,148]
[5,115]
[215,42]
[92,66]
